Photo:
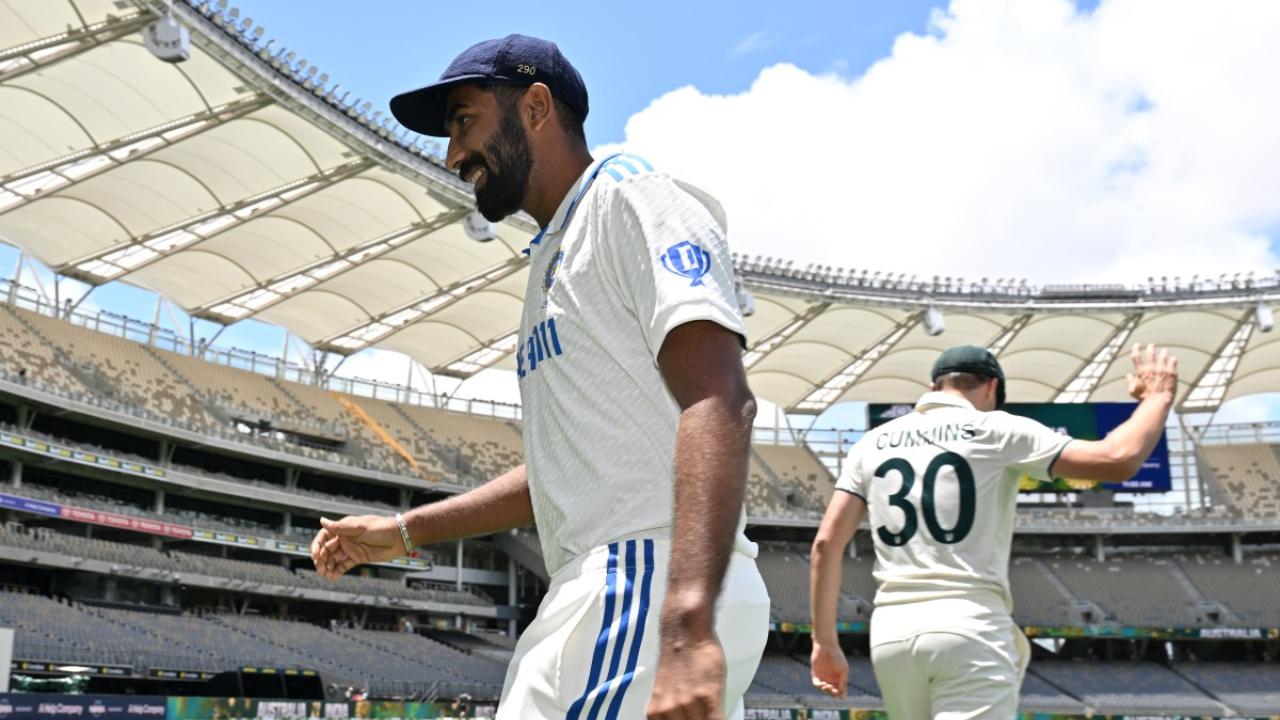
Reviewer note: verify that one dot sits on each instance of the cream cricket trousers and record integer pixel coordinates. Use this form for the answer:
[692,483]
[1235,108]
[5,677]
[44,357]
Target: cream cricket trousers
[591,652]
[960,675]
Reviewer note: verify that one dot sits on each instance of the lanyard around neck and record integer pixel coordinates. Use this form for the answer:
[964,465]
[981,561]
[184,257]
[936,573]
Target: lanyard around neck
[573,205]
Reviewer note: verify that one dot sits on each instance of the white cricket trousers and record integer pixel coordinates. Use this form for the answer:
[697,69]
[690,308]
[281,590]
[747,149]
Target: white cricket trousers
[591,652]
[963,675]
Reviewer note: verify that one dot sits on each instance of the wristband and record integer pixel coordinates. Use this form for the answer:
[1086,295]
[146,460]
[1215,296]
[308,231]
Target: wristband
[404,534]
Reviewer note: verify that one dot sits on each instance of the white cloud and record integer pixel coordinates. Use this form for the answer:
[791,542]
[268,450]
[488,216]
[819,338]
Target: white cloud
[1249,409]
[1016,138]
[758,40]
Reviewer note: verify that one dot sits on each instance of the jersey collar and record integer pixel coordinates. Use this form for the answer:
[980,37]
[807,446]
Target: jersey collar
[564,213]
[931,400]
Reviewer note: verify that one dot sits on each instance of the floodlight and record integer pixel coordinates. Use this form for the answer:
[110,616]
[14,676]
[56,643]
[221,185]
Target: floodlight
[1263,316]
[934,325]
[167,39]
[746,301]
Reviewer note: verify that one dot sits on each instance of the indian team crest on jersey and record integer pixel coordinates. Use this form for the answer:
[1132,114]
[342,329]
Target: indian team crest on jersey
[688,260]
[549,277]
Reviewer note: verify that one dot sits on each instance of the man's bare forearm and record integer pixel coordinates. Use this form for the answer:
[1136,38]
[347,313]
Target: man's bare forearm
[1133,440]
[500,504]
[712,448]
[826,559]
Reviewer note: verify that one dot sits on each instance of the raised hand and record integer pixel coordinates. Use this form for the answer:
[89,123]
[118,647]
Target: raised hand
[355,540]
[1155,371]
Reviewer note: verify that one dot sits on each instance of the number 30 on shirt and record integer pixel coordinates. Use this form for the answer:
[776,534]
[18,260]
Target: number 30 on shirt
[910,523]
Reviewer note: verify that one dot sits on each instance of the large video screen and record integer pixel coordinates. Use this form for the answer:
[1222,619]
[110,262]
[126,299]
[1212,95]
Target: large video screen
[1086,421]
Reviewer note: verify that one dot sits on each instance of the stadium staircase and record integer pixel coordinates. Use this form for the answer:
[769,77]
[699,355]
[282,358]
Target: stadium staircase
[446,458]
[1082,607]
[1203,605]
[1224,709]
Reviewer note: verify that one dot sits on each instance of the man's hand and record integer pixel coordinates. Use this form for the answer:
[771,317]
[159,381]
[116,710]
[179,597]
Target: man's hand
[829,669]
[343,544]
[689,683]
[1153,372]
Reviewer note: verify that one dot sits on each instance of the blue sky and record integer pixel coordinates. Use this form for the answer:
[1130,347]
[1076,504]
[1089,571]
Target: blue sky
[628,53]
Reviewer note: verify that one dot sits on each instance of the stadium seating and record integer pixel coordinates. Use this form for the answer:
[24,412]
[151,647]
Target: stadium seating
[1139,591]
[786,575]
[472,446]
[124,369]
[1249,590]
[1246,475]
[243,574]
[1037,600]
[801,472]
[1249,688]
[1128,687]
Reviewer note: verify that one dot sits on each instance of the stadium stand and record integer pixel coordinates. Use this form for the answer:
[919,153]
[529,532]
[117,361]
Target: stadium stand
[1037,599]
[1136,591]
[1246,475]
[1249,688]
[1249,591]
[1128,687]
[800,472]
[244,574]
[786,575]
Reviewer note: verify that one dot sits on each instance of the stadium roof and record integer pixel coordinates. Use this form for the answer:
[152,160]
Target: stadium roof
[243,183]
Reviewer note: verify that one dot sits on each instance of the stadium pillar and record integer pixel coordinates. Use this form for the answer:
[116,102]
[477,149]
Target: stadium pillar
[159,501]
[512,595]
[1237,548]
[291,478]
[459,568]
[15,473]
[1099,549]
[286,520]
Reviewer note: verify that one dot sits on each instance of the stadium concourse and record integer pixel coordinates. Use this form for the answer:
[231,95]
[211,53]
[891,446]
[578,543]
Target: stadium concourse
[160,488]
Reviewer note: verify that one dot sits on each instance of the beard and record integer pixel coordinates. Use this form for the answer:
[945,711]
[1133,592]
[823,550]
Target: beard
[506,170]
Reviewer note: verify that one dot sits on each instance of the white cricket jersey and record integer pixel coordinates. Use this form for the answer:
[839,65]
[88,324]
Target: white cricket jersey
[941,488]
[629,255]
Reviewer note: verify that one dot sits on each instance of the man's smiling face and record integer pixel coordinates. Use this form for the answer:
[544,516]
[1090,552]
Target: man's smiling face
[489,146]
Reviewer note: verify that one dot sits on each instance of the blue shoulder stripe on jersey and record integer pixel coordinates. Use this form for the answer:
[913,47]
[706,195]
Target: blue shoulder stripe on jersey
[639,161]
[624,626]
[642,613]
[602,640]
[621,167]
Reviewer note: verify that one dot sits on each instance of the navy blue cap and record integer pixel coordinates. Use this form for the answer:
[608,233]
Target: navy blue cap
[512,60]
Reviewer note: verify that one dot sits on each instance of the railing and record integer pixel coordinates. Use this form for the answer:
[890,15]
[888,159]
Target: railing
[1241,433]
[161,338]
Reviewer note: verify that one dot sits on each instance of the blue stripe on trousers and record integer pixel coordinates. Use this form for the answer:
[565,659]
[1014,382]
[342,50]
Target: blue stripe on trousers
[624,622]
[642,613]
[602,640]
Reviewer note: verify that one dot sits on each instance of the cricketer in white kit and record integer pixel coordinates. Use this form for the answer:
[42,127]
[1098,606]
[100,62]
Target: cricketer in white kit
[940,488]
[636,414]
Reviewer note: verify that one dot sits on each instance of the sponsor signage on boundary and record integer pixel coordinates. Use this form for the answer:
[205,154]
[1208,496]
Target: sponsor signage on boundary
[39,507]
[40,706]
[25,666]
[62,452]
[125,522]
[1086,631]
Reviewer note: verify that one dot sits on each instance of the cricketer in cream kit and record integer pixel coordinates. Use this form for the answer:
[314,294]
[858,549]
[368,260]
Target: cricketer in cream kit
[629,255]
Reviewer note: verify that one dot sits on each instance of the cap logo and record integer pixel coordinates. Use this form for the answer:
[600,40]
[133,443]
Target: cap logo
[526,70]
